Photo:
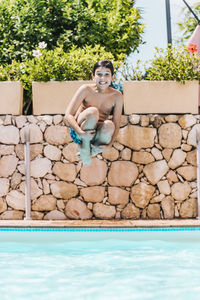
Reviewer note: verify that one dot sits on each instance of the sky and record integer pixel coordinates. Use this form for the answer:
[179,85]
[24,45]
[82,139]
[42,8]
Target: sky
[154,16]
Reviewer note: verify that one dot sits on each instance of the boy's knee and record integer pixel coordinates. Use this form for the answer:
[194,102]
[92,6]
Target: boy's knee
[109,125]
[90,117]
[92,111]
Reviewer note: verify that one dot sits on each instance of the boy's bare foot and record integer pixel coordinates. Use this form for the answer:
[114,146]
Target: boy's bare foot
[95,150]
[86,161]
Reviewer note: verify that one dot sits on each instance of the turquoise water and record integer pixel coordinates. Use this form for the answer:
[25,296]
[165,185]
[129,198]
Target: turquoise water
[97,265]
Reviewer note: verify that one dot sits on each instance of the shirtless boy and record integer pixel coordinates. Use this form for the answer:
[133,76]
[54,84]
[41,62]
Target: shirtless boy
[89,110]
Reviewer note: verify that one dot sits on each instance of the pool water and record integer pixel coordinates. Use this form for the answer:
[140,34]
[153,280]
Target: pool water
[93,265]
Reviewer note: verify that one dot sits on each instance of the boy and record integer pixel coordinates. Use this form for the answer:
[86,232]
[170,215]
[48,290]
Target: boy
[89,110]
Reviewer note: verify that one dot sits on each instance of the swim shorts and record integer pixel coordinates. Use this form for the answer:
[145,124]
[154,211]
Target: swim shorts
[117,86]
[74,136]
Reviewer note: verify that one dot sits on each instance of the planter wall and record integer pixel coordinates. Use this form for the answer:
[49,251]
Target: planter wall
[160,97]
[11,97]
[139,96]
[53,97]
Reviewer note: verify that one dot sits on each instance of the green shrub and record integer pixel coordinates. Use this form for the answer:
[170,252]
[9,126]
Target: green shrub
[168,64]
[25,23]
[174,64]
[55,65]
[129,72]
[114,24]
[188,22]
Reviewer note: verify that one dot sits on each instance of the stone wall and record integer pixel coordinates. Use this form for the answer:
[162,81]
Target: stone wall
[149,173]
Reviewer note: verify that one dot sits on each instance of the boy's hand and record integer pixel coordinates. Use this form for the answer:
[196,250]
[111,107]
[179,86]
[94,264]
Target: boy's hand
[88,134]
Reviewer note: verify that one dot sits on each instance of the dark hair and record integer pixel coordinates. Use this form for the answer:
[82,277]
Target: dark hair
[103,63]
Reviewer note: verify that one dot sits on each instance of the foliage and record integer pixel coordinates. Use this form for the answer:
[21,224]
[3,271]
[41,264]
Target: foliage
[189,22]
[25,22]
[130,72]
[50,65]
[174,64]
[114,24]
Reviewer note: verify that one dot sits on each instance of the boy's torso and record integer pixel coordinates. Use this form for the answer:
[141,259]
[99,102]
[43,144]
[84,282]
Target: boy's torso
[104,102]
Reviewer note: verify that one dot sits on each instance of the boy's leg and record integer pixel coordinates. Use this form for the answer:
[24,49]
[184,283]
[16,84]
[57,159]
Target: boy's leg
[103,136]
[87,120]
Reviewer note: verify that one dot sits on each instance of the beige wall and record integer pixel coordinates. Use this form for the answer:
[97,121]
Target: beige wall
[160,97]
[11,97]
[53,97]
[139,96]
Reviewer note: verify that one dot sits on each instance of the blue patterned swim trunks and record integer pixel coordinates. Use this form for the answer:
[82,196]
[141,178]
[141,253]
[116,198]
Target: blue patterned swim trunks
[74,136]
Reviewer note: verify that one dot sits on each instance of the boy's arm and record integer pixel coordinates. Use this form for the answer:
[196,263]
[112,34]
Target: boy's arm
[73,106]
[117,116]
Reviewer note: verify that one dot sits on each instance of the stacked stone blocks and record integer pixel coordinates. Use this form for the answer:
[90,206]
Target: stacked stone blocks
[149,173]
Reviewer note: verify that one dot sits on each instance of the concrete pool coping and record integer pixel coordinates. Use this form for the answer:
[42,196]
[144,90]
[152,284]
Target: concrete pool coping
[100,223]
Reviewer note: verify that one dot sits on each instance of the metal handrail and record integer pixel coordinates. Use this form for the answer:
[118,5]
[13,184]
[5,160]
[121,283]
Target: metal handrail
[27,175]
[190,9]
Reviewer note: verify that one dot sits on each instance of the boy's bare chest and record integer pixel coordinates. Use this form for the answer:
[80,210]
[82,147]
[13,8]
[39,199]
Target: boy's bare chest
[104,103]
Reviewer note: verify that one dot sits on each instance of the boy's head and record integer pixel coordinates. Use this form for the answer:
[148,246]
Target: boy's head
[105,64]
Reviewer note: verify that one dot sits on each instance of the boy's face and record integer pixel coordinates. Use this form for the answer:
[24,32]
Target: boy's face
[103,77]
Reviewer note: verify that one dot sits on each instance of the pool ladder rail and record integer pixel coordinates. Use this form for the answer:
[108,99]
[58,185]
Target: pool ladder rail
[27,174]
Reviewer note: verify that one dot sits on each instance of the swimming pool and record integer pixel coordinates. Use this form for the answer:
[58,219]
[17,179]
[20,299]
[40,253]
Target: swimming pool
[99,263]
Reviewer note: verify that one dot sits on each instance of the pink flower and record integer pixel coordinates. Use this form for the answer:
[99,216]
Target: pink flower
[42,45]
[37,53]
